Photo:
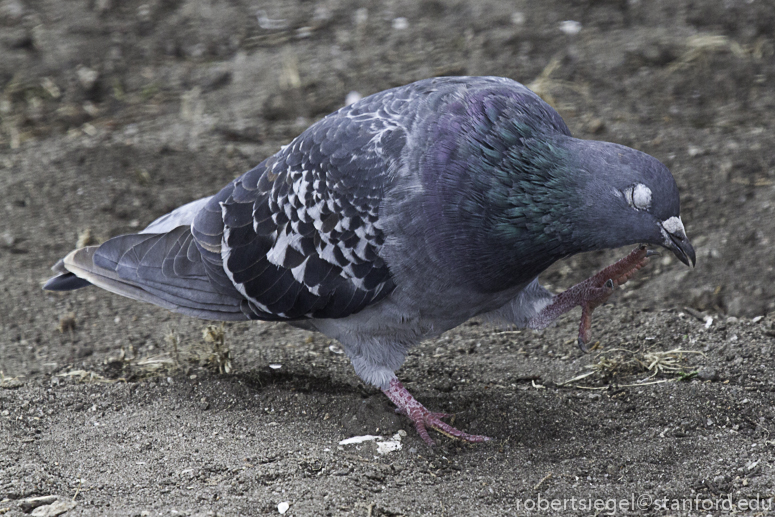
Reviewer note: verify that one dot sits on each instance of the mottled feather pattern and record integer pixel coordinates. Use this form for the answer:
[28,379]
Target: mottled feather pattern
[300,235]
[395,219]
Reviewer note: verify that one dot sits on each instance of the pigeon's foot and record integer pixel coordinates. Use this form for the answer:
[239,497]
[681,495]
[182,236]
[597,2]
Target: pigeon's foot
[423,418]
[591,293]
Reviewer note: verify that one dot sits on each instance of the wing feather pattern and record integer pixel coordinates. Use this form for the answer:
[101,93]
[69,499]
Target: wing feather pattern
[296,237]
[299,235]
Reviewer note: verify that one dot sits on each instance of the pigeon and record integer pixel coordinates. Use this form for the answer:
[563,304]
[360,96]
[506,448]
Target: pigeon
[397,218]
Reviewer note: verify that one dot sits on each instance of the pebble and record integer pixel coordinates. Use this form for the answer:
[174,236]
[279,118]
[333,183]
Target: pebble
[707,374]
[29,504]
[52,510]
[13,10]
[361,16]
[8,239]
[570,27]
[400,23]
[87,77]
[352,98]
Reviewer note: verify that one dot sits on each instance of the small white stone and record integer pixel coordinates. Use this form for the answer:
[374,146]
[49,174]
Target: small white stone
[275,366]
[87,77]
[144,13]
[51,87]
[694,151]
[400,23]
[518,18]
[389,446]
[570,27]
[352,98]
[267,23]
[361,16]
[12,9]
[283,507]
[359,439]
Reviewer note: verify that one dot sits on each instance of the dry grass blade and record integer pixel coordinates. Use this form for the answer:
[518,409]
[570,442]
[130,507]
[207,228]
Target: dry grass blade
[544,83]
[156,361]
[618,361]
[702,45]
[659,362]
[10,383]
[219,356]
[88,376]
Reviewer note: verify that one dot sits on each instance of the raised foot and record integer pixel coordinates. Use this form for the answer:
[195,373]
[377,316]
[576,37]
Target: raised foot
[423,418]
[591,293]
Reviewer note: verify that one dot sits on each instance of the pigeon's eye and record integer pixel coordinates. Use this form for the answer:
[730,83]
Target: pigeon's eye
[638,196]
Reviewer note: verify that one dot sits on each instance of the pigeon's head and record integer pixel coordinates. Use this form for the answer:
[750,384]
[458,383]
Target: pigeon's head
[631,197]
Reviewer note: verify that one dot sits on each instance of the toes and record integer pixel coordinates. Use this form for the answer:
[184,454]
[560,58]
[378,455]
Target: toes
[423,432]
[584,328]
[446,429]
[597,296]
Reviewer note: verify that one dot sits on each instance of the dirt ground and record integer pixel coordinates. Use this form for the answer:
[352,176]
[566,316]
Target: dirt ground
[114,112]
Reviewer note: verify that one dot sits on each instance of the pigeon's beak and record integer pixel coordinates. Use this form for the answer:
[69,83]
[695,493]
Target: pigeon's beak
[676,241]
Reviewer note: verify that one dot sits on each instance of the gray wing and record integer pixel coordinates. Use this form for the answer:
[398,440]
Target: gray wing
[299,235]
[181,216]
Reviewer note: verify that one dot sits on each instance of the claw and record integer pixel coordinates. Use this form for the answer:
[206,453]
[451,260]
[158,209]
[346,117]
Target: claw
[653,253]
[424,419]
[592,293]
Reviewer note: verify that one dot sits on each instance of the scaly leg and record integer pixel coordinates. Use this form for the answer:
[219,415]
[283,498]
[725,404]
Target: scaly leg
[423,418]
[591,293]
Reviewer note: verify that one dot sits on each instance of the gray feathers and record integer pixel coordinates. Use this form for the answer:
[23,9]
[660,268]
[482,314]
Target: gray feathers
[393,219]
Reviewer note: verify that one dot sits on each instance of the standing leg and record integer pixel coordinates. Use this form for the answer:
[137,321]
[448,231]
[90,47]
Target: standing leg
[423,418]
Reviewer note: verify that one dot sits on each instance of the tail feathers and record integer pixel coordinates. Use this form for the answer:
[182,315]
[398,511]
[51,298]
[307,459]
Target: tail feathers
[65,280]
[162,269]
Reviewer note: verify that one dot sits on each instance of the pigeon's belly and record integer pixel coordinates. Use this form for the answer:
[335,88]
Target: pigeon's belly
[404,319]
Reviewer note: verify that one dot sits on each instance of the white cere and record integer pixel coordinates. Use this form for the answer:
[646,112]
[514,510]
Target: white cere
[674,226]
[638,196]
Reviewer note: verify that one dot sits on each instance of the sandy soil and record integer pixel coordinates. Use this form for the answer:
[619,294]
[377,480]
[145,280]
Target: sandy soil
[114,112]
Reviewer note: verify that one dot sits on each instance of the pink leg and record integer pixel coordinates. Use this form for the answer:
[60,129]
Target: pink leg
[423,418]
[591,293]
